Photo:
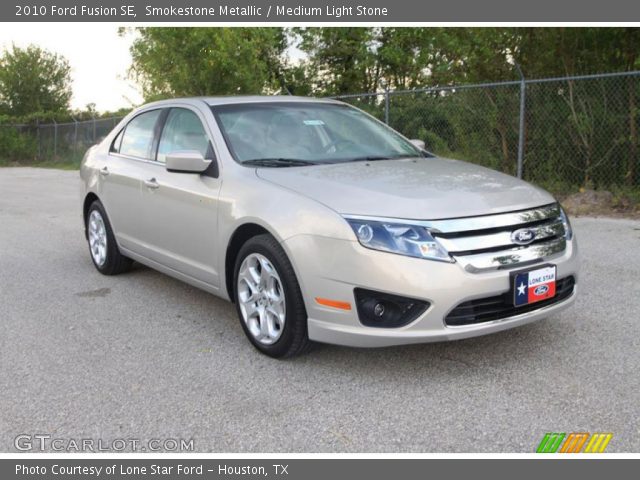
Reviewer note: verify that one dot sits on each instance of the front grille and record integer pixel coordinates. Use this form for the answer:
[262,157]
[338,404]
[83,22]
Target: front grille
[490,242]
[501,306]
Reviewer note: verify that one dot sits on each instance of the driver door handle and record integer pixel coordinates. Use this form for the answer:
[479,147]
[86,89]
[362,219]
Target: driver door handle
[151,183]
[104,171]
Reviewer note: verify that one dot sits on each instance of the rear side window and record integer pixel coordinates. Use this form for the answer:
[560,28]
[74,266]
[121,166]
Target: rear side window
[183,130]
[137,140]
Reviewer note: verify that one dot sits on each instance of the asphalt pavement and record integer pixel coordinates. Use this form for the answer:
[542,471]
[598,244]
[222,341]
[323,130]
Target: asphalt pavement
[143,356]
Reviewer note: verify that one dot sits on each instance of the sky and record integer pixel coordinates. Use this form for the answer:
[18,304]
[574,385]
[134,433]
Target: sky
[98,56]
[99,59]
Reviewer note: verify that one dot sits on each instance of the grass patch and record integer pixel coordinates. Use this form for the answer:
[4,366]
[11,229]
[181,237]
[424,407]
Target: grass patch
[71,162]
[46,164]
[58,165]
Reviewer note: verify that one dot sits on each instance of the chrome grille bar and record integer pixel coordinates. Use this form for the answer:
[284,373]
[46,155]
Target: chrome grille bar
[505,258]
[487,222]
[488,243]
[499,239]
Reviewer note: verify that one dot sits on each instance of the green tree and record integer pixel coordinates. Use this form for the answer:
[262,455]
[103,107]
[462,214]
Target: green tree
[340,60]
[33,80]
[170,62]
[548,52]
[408,56]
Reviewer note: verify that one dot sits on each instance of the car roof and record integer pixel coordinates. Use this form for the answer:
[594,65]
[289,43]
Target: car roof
[242,99]
[263,99]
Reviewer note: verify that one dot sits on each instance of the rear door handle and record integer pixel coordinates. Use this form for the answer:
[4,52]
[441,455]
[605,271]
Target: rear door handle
[104,171]
[151,183]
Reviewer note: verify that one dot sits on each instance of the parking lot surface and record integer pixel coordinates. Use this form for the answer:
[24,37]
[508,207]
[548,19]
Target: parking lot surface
[143,356]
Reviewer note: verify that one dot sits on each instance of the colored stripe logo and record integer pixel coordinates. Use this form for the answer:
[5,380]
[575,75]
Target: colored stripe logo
[574,442]
[550,442]
[598,443]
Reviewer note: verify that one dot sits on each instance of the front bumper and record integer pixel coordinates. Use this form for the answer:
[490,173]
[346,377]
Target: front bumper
[332,268]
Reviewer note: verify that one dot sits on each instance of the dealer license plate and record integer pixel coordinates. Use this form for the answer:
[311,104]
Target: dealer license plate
[533,286]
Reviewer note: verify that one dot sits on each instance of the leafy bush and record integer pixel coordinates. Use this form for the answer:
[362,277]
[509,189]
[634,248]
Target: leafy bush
[17,145]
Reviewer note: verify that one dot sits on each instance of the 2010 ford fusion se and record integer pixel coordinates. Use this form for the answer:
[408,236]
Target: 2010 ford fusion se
[323,224]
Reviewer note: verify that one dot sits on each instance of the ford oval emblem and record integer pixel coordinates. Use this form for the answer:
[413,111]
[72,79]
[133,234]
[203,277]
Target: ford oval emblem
[524,236]
[541,290]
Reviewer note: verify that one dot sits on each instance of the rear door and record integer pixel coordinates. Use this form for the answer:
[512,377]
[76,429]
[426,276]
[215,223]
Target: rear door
[121,177]
[181,209]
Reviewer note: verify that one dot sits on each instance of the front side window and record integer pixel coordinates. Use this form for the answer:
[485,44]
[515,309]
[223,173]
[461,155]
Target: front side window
[307,133]
[182,131]
[137,140]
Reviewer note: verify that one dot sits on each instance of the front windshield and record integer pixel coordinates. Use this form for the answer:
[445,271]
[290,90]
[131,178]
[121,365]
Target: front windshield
[289,134]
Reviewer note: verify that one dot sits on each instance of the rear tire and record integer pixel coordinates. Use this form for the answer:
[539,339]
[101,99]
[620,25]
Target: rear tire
[268,299]
[105,255]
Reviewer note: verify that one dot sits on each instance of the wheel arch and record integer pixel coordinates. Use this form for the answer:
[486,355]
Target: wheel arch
[88,200]
[239,237]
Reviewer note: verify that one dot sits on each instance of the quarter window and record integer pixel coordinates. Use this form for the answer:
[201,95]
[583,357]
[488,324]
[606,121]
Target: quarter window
[183,130]
[137,140]
[115,145]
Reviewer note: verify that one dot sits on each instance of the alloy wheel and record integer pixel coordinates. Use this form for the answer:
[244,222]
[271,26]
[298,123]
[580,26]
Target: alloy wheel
[97,238]
[261,299]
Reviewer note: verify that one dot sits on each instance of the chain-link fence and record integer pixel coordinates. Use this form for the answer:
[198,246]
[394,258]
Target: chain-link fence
[562,133]
[70,140]
[52,142]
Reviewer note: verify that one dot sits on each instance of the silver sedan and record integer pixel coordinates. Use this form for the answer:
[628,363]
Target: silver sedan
[323,224]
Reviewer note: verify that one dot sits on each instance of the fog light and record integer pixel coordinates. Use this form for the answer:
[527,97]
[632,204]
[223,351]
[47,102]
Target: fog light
[383,310]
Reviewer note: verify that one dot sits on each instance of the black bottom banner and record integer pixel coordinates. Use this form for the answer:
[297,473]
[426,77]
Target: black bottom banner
[311,469]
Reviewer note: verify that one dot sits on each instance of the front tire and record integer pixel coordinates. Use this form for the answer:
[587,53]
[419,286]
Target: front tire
[268,299]
[103,248]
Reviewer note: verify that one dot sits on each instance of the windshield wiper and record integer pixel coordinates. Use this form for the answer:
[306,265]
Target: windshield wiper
[373,158]
[278,162]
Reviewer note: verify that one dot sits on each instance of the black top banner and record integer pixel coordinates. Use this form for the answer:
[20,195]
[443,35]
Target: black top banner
[301,11]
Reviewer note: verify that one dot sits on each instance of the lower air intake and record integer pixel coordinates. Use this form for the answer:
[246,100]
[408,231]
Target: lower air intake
[501,306]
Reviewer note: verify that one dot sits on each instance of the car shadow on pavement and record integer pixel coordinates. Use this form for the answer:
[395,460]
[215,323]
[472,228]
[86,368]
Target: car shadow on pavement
[222,335]
[521,344]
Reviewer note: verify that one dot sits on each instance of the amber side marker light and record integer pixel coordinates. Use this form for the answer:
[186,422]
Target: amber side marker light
[325,302]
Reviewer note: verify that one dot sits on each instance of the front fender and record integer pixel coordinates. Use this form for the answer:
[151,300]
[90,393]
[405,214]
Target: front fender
[247,199]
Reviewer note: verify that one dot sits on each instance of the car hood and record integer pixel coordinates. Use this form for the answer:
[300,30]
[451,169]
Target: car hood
[415,188]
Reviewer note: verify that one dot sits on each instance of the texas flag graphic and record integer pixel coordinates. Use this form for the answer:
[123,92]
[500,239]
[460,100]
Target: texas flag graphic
[535,285]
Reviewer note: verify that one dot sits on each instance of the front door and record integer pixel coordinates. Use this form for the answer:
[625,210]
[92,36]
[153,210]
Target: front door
[181,209]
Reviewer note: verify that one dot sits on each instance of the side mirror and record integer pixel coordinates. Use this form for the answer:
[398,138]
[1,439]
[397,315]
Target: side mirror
[418,143]
[187,161]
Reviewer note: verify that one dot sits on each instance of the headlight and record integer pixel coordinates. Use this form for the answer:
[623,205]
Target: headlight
[566,224]
[403,239]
